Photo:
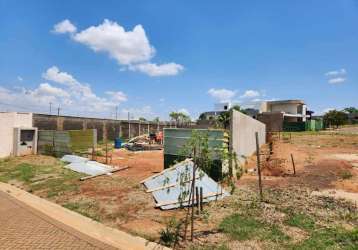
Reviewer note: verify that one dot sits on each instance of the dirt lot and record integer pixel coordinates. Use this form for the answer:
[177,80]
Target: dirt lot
[316,208]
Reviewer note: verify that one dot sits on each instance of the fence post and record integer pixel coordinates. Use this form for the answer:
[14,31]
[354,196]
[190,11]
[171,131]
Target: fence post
[293,165]
[258,164]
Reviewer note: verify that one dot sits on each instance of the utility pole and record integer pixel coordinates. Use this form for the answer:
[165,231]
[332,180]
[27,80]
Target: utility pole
[58,110]
[50,108]
[116,112]
[129,126]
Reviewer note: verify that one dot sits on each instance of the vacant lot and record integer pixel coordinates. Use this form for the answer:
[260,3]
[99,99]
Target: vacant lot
[314,209]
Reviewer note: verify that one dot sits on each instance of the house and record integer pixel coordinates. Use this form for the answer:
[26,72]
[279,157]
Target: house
[18,137]
[277,114]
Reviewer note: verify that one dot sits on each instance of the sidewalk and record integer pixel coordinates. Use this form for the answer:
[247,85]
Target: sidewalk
[29,222]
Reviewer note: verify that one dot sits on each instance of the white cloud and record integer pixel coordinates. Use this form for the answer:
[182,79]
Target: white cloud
[127,47]
[19,78]
[250,94]
[131,49]
[162,99]
[145,111]
[73,96]
[339,72]
[117,96]
[64,26]
[152,69]
[222,95]
[337,80]
[46,89]
[336,76]
[54,74]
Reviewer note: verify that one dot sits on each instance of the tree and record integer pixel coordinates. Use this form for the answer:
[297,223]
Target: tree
[335,118]
[179,117]
[142,119]
[156,119]
[198,149]
[224,117]
[351,110]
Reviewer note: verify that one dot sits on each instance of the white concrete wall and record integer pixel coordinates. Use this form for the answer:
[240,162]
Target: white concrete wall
[287,108]
[242,134]
[8,121]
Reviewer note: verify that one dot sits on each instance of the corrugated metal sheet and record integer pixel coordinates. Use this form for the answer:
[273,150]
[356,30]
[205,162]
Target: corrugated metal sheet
[176,138]
[166,189]
[83,165]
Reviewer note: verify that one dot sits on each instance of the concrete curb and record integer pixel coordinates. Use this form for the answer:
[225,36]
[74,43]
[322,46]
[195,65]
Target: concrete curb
[82,224]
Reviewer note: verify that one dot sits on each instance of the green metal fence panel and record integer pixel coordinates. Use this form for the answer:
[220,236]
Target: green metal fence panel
[176,139]
[294,126]
[59,143]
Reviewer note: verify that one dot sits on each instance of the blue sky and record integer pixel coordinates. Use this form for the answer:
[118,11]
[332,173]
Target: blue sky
[153,57]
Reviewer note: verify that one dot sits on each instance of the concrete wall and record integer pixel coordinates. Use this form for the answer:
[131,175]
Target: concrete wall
[106,128]
[8,121]
[290,108]
[242,134]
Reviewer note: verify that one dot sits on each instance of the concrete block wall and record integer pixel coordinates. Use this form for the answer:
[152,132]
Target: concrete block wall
[273,121]
[8,121]
[242,134]
[106,128]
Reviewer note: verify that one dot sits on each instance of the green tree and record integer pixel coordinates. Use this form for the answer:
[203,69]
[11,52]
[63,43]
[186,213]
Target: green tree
[142,119]
[335,118]
[179,117]
[224,117]
[156,119]
[198,149]
[351,110]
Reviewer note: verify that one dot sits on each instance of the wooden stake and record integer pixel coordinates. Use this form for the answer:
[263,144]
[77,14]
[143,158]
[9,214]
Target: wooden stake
[197,200]
[106,152]
[293,165]
[201,199]
[258,164]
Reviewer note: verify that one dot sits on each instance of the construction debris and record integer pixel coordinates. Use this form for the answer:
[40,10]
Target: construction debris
[143,142]
[111,172]
[83,165]
[168,185]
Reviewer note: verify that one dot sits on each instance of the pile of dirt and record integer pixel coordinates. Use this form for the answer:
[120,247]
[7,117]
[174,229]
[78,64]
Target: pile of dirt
[274,167]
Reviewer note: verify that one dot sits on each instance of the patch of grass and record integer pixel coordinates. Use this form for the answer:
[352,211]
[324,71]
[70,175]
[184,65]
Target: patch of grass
[88,209]
[330,238]
[345,174]
[300,220]
[170,234]
[241,228]
[22,172]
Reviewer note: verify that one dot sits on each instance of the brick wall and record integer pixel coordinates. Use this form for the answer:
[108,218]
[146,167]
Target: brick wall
[106,128]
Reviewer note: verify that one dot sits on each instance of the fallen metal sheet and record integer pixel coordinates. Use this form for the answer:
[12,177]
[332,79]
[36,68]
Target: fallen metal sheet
[166,189]
[83,165]
[73,158]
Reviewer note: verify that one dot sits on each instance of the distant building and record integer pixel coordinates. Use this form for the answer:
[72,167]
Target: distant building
[222,106]
[275,113]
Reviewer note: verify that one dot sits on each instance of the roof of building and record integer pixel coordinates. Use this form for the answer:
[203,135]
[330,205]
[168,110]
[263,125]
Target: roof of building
[287,102]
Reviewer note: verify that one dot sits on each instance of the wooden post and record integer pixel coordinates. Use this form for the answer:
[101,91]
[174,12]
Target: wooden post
[201,199]
[106,152]
[197,200]
[293,165]
[258,164]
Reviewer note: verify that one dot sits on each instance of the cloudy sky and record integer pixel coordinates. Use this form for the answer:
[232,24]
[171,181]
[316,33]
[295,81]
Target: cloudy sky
[152,57]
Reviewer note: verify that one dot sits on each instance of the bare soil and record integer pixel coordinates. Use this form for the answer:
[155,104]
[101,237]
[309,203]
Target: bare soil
[120,200]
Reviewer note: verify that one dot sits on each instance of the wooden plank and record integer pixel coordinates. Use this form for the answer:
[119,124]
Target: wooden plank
[112,171]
